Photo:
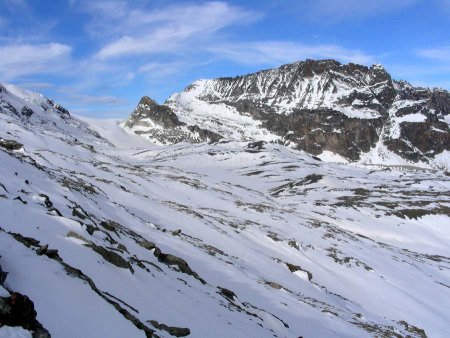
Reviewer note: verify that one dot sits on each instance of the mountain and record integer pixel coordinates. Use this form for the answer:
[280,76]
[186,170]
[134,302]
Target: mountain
[103,234]
[347,112]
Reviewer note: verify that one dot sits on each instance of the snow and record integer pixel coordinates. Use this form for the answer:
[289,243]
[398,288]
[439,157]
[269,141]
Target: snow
[329,156]
[368,263]
[3,292]
[14,332]
[112,130]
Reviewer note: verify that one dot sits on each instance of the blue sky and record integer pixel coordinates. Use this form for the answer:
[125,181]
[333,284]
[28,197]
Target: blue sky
[98,58]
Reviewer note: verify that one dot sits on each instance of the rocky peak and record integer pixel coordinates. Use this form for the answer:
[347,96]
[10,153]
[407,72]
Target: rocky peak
[159,114]
[160,123]
[322,106]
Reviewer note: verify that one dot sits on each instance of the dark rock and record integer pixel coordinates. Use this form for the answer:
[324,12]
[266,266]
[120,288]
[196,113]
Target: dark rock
[147,245]
[27,241]
[293,268]
[204,134]
[76,212]
[3,276]
[47,201]
[19,311]
[26,112]
[42,250]
[10,145]
[313,125]
[258,145]
[63,112]
[110,256]
[91,229]
[182,265]
[230,295]
[172,330]
[164,116]
[53,253]
[18,198]
[110,225]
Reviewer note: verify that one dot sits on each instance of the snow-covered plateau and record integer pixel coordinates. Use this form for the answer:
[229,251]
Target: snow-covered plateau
[110,235]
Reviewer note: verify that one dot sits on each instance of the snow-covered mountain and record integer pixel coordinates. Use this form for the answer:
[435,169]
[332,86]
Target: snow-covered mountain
[113,236]
[352,112]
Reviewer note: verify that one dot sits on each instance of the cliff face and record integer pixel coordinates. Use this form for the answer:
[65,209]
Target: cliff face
[316,106]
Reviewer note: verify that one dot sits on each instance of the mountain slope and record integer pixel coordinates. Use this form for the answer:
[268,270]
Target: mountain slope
[239,239]
[353,111]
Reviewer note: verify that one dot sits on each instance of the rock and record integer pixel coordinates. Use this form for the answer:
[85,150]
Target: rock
[172,330]
[76,235]
[157,252]
[176,232]
[26,112]
[274,285]
[20,312]
[110,256]
[91,229]
[314,106]
[76,212]
[53,253]
[3,275]
[230,295]
[147,245]
[149,117]
[42,250]
[110,225]
[18,198]
[182,265]
[258,145]
[5,309]
[10,145]
[293,268]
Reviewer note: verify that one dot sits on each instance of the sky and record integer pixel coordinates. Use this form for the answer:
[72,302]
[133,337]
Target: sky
[98,58]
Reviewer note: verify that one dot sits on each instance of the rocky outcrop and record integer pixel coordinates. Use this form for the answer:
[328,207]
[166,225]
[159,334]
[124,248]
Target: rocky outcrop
[160,123]
[17,310]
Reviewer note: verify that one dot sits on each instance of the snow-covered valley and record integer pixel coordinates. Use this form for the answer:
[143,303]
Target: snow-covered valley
[223,239]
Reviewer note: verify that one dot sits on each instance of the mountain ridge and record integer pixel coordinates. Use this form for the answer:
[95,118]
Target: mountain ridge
[356,112]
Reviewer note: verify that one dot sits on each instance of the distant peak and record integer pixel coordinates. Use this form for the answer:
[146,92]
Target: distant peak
[145,100]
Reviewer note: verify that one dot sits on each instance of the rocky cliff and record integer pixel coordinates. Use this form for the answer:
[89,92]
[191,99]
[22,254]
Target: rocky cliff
[353,111]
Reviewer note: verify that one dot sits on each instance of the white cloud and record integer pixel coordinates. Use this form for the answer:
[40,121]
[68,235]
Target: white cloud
[439,54]
[274,52]
[27,59]
[170,29]
[159,70]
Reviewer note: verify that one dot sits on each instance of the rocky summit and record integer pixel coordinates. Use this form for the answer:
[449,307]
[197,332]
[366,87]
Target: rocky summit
[345,112]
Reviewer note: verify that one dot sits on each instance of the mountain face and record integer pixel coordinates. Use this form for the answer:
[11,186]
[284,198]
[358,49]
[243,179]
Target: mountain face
[160,123]
[223,239]
[356,112]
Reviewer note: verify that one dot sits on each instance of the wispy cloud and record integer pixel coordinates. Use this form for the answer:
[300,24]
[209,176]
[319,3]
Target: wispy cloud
[440,54]
[26,59]
[159,70]
[275,52]
[170,29]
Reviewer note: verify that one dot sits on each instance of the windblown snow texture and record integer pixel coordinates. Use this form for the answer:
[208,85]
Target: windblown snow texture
[113,236]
